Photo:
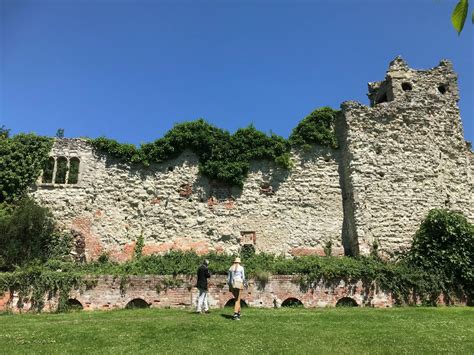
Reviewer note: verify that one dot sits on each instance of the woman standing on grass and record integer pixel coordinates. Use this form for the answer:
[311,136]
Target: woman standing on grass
[236,279]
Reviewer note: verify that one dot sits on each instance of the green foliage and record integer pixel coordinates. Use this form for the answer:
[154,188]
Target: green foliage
[167,283]
[328,248]
[21,159]
[60,133]
[247,251]
[34,282]
[317,128]
[223,156]
[137,252]
[444,248]
[458,17]
[27,233]
[4,132]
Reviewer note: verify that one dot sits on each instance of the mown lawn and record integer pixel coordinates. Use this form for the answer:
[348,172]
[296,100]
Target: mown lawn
[339,330]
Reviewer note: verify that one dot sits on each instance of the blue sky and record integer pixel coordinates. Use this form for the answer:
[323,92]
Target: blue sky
[129,70]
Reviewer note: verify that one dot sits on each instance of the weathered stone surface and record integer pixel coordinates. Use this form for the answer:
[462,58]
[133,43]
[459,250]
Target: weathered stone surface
[404,157]
[177,209]
[397,160]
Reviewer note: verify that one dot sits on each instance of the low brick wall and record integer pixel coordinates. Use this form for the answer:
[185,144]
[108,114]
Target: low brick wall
[109,292]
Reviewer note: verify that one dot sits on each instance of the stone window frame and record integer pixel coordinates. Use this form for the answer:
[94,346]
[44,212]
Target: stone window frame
[248,237]
[68,167]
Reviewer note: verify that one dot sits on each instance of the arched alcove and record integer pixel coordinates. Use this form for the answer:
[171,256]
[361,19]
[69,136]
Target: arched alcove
[346,302]
[137,303]
[61,170]
[48,171]
[74,305]
[292,302]
[73,177]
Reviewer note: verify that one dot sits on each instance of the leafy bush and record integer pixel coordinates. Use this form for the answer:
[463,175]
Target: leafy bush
[21,159]
[27,233]
[317,128]
[444,248]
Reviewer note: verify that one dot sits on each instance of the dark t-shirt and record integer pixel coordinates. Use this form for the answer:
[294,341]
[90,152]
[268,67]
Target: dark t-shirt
[202,276]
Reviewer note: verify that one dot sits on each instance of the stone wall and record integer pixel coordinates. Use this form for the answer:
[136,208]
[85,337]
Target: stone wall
[173,207]
[397,159]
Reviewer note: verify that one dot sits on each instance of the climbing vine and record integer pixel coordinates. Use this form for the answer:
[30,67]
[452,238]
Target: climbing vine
[21,159]
[223,156]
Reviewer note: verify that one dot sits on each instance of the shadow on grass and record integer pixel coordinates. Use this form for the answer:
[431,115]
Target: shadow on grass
[226,316]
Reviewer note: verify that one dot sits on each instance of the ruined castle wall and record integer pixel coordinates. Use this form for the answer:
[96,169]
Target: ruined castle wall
[291,212]
[397,159]
[405,156]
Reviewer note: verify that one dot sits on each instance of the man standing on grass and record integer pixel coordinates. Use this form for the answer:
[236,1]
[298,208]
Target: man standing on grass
[202,276]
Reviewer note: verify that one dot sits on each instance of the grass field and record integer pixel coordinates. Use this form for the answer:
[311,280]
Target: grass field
[338,330]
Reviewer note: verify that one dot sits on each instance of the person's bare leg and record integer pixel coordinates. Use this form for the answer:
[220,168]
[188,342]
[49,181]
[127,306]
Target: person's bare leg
[236,293]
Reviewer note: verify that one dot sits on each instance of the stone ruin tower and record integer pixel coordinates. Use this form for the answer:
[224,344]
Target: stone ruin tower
[397,159]
[402,156]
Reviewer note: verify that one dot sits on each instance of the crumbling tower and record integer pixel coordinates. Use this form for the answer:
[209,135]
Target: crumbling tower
[402,156]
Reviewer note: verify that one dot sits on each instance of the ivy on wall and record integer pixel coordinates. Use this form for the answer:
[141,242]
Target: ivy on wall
[223,156]
[21,159]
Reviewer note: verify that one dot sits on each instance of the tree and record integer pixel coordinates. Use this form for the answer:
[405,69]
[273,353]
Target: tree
[60,133]
[458,17]
[4,132]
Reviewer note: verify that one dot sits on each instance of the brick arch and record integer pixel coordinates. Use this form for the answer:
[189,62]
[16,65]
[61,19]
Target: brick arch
[74,303]
[346,302]
[292,302]
[137,303]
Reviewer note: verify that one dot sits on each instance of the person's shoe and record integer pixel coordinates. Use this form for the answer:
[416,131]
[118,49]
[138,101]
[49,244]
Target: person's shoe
[235,316]
[207,312]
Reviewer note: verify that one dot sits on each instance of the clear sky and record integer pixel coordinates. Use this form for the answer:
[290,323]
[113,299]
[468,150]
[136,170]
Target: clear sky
[129,70]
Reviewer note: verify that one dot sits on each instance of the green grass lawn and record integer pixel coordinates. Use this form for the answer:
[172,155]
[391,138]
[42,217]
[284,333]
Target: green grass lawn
[337,330]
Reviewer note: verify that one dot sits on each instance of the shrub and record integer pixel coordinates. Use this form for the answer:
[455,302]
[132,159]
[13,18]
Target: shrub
[317,128]
[21,159]
[26,233]
[444,247]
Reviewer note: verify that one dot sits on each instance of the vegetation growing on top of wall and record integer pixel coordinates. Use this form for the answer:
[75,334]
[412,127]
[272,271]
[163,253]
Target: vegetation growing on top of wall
[223,156]
[317,127]
[21,159]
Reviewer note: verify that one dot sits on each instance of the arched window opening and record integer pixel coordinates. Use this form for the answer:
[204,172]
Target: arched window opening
[137,303]
[74,305]
[73,177]
[346,302]
[48,171]
[61,170]
[231,303]
[292,302]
